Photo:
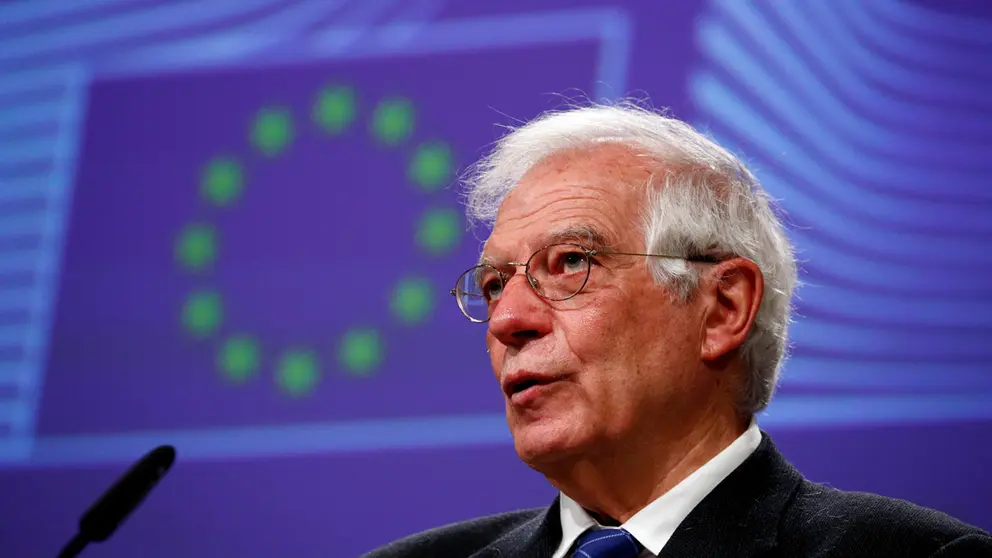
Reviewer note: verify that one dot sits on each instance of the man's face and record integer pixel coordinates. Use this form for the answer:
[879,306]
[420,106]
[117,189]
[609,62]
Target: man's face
[611,366]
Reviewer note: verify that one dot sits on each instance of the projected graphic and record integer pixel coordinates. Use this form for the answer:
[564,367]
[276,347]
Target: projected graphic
[359,351]
[243,241]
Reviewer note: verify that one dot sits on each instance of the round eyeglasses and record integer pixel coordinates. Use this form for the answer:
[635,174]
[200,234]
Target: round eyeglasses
[556,272]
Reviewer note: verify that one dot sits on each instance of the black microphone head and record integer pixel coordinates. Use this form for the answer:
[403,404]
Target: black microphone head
[126,494]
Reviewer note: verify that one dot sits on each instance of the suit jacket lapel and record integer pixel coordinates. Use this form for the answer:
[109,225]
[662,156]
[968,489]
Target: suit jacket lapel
[537,538]
[740,517]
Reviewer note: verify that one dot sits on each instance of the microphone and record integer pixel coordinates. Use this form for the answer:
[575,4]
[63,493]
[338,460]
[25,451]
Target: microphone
[100,521]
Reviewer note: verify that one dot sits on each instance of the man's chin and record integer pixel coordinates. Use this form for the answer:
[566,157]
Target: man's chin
[543,446]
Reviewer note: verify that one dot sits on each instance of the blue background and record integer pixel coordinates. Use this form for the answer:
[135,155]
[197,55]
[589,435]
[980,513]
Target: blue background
[869,121]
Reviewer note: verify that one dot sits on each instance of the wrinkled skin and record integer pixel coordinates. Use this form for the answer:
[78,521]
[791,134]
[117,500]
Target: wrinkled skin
[643,385]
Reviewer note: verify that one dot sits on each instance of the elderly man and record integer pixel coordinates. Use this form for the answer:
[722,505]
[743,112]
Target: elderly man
[636,289]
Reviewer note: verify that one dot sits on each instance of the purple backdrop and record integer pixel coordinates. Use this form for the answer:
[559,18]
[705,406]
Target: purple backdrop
[323,230]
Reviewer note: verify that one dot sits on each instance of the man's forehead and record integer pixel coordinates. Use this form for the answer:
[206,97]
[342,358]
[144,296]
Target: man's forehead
[581,197]
[608,168]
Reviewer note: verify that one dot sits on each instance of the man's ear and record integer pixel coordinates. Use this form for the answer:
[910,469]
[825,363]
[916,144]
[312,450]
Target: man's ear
[731,296]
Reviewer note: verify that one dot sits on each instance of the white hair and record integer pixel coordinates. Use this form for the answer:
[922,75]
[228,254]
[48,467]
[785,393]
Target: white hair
[702,201]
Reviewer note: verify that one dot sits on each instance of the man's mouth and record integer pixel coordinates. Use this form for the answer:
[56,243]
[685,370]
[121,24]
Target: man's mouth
[523,386]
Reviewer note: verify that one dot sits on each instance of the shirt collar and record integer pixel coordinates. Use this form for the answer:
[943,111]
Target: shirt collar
[654,525]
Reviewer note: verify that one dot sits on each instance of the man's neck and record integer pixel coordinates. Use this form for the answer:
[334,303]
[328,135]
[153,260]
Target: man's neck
[619,481]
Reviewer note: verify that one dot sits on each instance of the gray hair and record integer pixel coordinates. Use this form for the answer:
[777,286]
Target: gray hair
[702,200]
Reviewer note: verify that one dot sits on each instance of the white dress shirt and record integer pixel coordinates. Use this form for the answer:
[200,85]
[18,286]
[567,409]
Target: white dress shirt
[654,525]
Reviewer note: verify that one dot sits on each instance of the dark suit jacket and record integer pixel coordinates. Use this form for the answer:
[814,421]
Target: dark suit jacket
[764,508]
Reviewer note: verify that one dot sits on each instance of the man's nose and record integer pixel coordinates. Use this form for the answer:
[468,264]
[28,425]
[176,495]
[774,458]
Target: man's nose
[520,315]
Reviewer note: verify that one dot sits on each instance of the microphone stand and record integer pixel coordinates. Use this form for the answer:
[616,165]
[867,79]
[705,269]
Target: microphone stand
[74,546]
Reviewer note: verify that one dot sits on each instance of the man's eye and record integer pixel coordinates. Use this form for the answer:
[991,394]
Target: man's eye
[569,262]
[575,259]
[492,289]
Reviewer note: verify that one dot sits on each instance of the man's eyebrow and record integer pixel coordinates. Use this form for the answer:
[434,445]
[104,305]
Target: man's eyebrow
[585,236]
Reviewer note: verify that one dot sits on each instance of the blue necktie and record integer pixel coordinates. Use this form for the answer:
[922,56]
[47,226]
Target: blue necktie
[607,543]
